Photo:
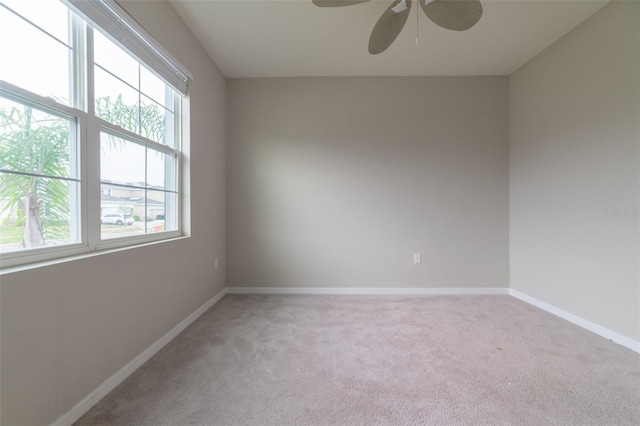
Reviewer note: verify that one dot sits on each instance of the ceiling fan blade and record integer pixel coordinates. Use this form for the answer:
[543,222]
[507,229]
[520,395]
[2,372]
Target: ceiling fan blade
[336,3]
[457,15]
[388,27]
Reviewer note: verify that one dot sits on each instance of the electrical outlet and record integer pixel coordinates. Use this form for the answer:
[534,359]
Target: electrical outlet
[216,263]
[417,258]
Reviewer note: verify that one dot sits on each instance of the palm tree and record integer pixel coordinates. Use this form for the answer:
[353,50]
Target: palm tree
[147,120]
[38,144]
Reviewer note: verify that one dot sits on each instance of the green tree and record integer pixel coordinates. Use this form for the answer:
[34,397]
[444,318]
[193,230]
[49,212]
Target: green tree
[36,143]
[39,144]
[146,120]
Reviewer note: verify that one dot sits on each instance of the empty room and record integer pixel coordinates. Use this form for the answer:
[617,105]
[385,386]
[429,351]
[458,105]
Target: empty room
[319,212]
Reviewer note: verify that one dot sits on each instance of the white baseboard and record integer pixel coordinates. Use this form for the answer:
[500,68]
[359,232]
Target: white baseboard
[618,338]
[409,291]
[101,391]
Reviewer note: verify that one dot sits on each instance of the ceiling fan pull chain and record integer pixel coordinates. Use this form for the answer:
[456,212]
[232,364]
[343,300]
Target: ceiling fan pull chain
[417,27]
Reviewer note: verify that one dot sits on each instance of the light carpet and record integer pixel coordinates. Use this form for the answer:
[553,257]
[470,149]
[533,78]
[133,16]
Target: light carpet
[367,360]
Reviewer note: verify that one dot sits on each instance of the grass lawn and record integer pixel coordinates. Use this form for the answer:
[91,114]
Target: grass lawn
[10,234]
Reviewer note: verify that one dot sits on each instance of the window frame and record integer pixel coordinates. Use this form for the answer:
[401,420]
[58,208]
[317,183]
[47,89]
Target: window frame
[88,128]
[114,130]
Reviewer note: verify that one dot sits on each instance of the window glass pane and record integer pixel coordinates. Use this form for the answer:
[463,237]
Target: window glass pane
[29,53]
[137,190]
[116,102]
[155,88]
[129,95]
[121,161]
[50,15]
[115,60]
[156,123]
[37,212]
[33,141]
[160,170]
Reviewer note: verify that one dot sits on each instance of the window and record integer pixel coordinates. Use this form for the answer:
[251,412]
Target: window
[40,182]
[90,131]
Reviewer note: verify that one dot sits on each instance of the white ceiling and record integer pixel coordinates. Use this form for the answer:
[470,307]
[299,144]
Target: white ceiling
[289,38]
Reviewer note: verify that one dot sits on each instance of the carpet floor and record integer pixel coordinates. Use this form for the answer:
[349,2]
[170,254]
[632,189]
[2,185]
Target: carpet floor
[369,360]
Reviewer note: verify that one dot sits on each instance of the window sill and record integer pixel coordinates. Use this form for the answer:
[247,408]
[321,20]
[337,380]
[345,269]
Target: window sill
[102,249]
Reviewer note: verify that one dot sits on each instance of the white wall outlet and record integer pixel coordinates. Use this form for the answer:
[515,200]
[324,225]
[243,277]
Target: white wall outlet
[417,258]
[216,263]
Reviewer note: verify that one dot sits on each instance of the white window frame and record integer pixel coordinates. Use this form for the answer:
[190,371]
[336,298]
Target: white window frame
[17,94]
[87,135]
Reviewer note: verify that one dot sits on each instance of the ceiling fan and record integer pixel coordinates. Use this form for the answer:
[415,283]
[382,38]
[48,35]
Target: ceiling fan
[457,15]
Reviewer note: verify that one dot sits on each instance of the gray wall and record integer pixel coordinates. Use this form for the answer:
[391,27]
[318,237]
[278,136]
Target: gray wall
[336,182]
[574,134]
[66,328]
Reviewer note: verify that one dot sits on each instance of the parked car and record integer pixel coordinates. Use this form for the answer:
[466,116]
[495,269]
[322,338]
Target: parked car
[116,219]
[155,226]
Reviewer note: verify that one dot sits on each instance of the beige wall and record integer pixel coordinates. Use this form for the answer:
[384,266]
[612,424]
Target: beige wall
[66,328]
[574,133]
[338,181]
